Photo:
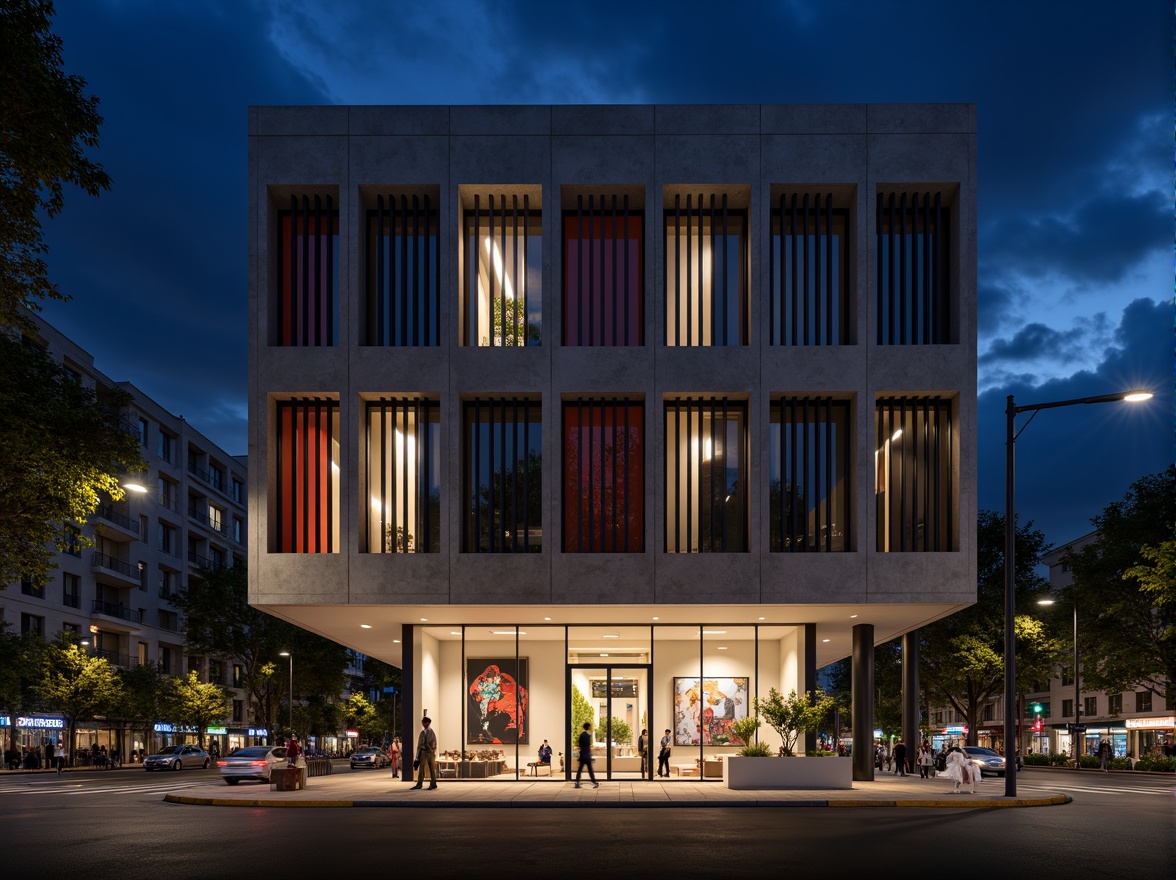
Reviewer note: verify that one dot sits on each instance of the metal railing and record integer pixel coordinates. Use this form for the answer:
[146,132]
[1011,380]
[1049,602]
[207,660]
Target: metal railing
[114,658]
[101,560]
[107,512]
[110,609]
[318,767]
[214,523]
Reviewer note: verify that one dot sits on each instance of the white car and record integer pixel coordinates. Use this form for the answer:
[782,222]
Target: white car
[177,758]
[251,762]
[989,762]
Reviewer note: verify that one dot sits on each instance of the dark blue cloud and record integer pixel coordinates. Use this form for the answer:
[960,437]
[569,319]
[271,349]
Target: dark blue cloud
[1073,461]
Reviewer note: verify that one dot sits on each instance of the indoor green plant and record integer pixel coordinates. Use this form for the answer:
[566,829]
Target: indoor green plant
[793,715]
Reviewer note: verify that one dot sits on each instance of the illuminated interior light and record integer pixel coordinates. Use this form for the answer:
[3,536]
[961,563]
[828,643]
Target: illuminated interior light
[499,268]
[714,632]
[365,626]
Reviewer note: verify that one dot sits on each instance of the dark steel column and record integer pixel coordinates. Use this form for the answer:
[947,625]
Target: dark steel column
[1010,594]
[809,675]
[910,696]
[409,710]
[862,702]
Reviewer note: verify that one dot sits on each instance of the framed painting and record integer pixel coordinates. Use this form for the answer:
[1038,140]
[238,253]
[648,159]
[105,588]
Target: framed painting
[705,713]
[496,701]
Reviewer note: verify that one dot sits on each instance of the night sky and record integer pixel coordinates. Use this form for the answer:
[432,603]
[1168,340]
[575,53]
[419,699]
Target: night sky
[1075,214]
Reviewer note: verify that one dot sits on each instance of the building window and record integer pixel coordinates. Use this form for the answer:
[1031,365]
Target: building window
[71,541]
[216,518]
[167,583]
[1067,708]
[988,713]
[216,671]
[502,281]
[1114,704]
[914,464]
[143,536]
[913,263]
[603,263]
[167,538]
[32,623]
[307,473]
[502,481]
[167,493]
[809,301]
[71,590]
[238,675]
[308,260]
[404,270]
[604,476]
[1067,675]
[238,710]
[1143,701]
[238,530]
[238,490]
[216,558]
[809,444]
[143,433]
[216,477]
[1090,706]
[706,259]
[167,447]
[30,588]
[404,476]
[706,475]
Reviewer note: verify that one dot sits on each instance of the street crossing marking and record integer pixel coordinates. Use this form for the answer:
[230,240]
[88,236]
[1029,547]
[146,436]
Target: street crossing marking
[75,788]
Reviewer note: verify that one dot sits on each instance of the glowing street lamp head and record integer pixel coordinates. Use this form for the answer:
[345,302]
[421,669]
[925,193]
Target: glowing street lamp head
[1137,396]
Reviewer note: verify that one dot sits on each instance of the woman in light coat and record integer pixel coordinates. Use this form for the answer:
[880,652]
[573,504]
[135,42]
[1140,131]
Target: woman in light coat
[959,770]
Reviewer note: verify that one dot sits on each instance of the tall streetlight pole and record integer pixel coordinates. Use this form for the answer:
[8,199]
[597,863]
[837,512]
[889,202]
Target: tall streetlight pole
[1010,554]
[1077,688]
[291,656]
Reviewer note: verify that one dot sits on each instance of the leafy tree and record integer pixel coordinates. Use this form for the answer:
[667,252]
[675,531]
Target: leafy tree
[21,664]
[962,656]
[70,447]
[359,714]
[220,622]
[144,697]
[77,685]
[793,715]
[378,676]
[1123,589]
[198,704]
[620,731]
[47,122]
[517,330]
[582,713]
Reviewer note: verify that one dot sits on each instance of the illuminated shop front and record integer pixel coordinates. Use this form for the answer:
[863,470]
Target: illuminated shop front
[495,693]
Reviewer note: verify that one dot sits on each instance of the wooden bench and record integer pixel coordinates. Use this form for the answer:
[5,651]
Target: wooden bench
[684,769]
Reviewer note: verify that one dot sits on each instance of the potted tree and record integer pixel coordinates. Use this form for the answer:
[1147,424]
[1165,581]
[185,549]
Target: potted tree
[790,717]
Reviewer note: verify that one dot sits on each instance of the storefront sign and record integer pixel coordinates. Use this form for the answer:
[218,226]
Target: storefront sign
[165,727]
[1151,723]
[958,730]
[40,723]
[258,731]
[218,731]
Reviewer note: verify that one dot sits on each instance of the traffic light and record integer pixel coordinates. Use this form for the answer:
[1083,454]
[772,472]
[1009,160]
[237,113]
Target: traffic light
[1037,725]
[1037,708]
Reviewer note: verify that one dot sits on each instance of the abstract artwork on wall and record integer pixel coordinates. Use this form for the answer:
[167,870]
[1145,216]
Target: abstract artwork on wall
[496,710]
[712,710]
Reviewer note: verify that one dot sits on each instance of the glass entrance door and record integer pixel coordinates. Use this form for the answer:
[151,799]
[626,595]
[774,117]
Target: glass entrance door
[615,699]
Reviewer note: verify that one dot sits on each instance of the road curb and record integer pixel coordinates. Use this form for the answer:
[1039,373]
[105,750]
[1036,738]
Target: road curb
[956,803]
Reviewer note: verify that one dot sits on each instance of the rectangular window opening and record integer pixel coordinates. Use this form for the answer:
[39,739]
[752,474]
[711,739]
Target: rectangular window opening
[502,476]
[305,312]
[306,516]
[810,288]
[913,260]
[404,269]
[604,476]
[503,277]
[404,475]
[809,486]
[604,268]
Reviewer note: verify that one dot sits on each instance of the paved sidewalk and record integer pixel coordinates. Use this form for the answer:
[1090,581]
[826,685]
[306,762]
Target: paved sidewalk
[378,789]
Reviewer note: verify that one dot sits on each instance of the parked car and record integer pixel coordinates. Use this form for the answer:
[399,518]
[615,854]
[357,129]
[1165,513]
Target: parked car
[251,762]
[990,763]
[177,758]
[369,757]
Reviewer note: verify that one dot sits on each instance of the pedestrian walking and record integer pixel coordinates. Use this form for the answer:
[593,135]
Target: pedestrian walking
[50,763]
[959,770]
[643,751]
[900,758]
[1104,756]
[663,755]
[59,758]
[585,756]
[926,762]
[426,754]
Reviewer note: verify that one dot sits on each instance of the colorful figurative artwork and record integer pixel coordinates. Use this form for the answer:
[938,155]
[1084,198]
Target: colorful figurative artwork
[497,710]
[708,711]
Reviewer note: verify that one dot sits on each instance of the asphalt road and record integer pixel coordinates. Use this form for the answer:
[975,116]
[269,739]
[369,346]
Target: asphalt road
[115,825]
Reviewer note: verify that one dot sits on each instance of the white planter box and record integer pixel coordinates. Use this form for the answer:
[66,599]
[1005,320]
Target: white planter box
[748,774]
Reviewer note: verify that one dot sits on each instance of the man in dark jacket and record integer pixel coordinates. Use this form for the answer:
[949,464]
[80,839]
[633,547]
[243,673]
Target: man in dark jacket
[900,759]
[585,744]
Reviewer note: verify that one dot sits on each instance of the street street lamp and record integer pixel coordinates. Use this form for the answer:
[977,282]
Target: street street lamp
[1077,688]
[1010,552]
[291,656]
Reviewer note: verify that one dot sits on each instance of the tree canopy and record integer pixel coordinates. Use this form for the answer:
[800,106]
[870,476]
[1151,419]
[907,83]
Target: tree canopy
[47,124]
[77,685]
[64,448]
[1124,591]
[198,704]
[220,622]
[962,656]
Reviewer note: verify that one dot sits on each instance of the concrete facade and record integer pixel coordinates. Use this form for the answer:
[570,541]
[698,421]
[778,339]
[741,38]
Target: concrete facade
[855,151]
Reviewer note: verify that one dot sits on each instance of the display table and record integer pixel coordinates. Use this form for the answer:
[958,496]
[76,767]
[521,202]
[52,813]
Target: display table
[684,769]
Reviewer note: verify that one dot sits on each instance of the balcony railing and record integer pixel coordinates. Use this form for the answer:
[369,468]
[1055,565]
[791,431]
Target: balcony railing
[107,512]
[204,561]
[175,626]
[101,560]
[114,658]
[168,595]
[110,609]
[214,523]
[199,472]
[169,500]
